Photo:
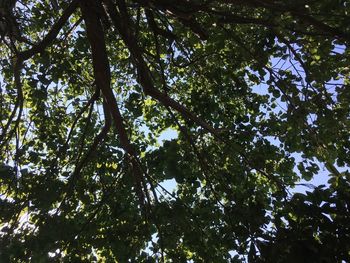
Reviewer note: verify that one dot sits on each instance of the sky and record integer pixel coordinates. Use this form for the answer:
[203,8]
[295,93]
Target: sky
[319,179]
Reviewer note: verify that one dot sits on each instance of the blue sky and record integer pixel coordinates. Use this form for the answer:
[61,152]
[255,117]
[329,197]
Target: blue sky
[319,179]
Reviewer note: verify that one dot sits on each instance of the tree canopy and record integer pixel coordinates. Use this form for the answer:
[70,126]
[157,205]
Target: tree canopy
[257,92]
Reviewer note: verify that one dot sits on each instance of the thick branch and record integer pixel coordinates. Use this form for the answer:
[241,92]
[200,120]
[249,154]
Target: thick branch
[101,67]
[102,75]
[143,70]
[51,36]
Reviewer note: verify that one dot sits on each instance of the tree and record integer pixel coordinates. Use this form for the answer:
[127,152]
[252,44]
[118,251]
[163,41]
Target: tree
[257,91]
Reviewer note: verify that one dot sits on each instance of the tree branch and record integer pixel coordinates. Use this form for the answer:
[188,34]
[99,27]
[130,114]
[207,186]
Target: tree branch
[102,75]
[51,36]
[124,28]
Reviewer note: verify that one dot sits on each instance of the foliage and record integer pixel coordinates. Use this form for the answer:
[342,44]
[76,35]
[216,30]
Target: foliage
[257,91]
